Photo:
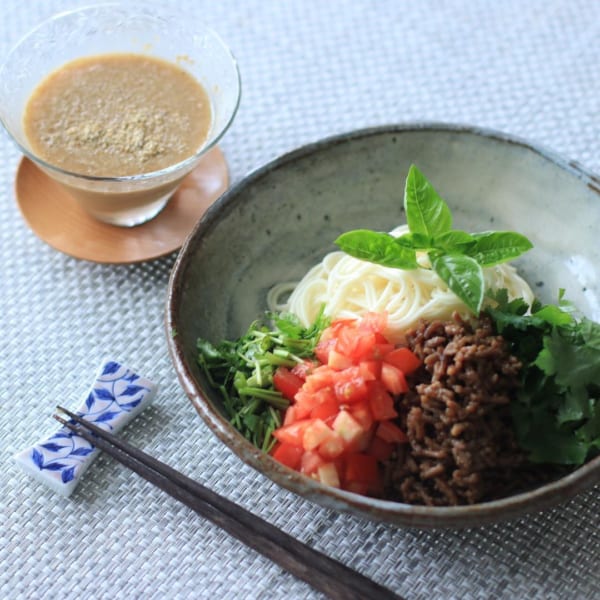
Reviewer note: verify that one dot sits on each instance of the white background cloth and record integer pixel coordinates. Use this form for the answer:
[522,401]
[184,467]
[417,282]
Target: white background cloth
[310,69]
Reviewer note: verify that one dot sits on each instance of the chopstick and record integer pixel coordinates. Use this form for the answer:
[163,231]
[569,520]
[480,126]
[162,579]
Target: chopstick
[325,574]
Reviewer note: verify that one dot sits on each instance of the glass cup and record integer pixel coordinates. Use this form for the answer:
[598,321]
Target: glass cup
[113,28]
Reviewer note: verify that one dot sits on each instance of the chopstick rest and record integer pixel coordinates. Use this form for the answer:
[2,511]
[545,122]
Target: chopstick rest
[117,395]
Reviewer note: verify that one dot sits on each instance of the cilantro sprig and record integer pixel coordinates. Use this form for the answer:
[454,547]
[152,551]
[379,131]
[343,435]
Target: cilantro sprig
[456,256]
[242,371]
[557,412]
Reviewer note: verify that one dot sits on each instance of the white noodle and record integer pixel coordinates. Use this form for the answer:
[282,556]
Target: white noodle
[349,287]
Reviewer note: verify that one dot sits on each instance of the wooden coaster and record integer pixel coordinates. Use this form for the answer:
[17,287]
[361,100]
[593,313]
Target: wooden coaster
[56,217]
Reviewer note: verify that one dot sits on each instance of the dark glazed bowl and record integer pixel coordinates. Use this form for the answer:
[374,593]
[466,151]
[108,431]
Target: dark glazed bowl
[280,220]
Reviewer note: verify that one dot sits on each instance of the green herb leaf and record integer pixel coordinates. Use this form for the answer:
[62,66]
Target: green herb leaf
[242,371]
[380,248]
[575,406]
[415,241]
[557,411]
[462,274]
[553,315]
[454,241]
[426,212]
[495,247]
[430,230]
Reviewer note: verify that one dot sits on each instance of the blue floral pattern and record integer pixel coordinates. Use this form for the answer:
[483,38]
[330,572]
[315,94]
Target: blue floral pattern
[117,396]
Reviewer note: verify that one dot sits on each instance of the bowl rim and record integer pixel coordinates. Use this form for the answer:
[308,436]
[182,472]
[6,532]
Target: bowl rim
[133,8]
[387,511]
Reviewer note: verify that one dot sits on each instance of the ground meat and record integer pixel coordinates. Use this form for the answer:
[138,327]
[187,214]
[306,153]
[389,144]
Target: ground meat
[462,449]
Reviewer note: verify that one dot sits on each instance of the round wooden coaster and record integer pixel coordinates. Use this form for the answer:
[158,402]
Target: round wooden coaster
[56,217]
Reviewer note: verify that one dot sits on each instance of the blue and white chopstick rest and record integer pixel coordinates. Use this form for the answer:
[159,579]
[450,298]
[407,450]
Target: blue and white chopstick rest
[117,396]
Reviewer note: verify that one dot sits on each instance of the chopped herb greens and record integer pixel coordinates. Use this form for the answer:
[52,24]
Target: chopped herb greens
[242,371]
[557,413]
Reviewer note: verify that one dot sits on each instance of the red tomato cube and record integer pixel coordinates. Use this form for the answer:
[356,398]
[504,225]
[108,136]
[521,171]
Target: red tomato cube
[403,359]
[305,368]
[286,382]
[315,434]
[321,377]
[362,413]
[310,462]
[380,402]
[393,379]
[362,467]
[293,433]
[338,361]
[323,348]
[347,427]
[370,369]
[380,449]
[288,455]
[357,487]
[290,416]
[391,433]
[326,409]
[328,475]
[351,390]
[332,447]
[374,321]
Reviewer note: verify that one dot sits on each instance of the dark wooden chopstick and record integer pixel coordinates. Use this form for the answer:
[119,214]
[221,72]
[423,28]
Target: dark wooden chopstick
[325,574]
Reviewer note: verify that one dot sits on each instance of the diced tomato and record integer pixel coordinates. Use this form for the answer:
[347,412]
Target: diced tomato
[323,348]
[362,413]
[293,433]
[310,462]
[338,361]
[326,409]
[373,321]
[290,416]
[315,434]
[380,350]
[328,475]
[380,402]
[357,344]
[305,368]
[362,467]
[347,427]
[390,432]
[338,428]
[370,369]
[404,359]
[380,449]
[356,487]
[288,455]
[286,382]
[351,390]
[306,402]
[321,377]
[332,447]
[393,379]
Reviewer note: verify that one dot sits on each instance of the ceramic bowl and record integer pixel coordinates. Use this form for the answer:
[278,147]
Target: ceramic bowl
[281,219]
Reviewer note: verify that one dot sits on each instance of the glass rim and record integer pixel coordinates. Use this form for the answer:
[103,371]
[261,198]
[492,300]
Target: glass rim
[169,170]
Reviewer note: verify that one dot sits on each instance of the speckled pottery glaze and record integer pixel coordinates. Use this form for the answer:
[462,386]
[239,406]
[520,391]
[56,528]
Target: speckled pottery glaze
[281,219]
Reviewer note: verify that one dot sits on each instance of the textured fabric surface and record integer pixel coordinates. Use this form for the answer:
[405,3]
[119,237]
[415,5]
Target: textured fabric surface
[310,69]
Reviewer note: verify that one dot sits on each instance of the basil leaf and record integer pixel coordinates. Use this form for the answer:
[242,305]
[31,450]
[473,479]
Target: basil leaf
[380,248]
[456,240]
[416,241]
[426,212]
[463,275]
[495,247]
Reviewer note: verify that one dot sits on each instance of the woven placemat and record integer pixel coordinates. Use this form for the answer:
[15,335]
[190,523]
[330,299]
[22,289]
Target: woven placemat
[310,69]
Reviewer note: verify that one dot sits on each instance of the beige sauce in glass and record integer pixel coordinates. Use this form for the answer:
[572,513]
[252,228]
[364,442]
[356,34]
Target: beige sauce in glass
[113,115]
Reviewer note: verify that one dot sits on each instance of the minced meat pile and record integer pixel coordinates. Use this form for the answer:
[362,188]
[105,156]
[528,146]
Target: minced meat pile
[462,449]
